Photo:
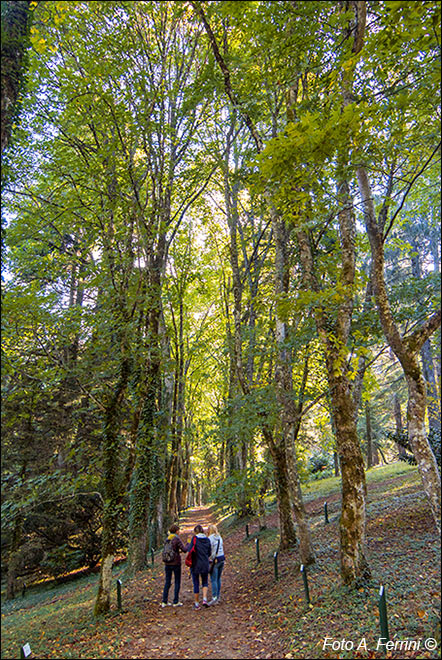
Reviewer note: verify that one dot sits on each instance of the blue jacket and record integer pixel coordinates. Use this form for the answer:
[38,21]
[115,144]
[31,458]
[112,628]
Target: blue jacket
[203,550]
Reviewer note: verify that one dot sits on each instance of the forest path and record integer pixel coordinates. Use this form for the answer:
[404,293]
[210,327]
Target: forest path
[226,630]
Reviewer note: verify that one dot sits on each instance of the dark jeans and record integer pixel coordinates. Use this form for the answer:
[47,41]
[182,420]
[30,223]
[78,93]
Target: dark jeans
[196,581]
[169,570]
[215,579]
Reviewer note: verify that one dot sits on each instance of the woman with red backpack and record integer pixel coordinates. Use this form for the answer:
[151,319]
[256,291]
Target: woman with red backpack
[200,549]
[172,564]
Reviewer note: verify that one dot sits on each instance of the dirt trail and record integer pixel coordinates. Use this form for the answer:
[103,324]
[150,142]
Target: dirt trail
[226,630]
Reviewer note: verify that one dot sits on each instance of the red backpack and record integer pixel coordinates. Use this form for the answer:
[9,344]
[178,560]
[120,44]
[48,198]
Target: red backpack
[189,558]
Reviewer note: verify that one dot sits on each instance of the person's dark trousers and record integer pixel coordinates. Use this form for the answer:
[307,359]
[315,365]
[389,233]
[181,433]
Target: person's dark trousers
[196,581]
[169,571]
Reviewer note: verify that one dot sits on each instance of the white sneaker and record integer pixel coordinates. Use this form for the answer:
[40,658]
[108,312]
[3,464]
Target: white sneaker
[177,604]
[213,601]
[164,604]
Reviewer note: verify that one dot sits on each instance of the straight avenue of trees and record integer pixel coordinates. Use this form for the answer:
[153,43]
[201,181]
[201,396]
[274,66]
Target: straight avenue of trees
[221,268]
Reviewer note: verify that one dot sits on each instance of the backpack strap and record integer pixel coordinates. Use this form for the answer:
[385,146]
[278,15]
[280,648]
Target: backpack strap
[216,552]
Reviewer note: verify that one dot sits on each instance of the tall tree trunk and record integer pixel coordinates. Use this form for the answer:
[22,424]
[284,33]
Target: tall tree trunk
[354,566]
[145,489]
[239,383]
[185,476]
[433,409]
[398,423]
[432,393]
[141,491]
[372,452]
[368,436]
[15,30]
[286,526]
[178,418]
[362,361]
[111,480]
[142,477]
[306,550]
[232,457]
[289,418]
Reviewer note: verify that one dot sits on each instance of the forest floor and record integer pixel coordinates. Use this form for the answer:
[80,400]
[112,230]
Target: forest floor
[259,616]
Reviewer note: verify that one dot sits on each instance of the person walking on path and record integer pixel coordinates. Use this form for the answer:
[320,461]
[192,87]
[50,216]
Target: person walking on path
[172,565]
[217,558]
[200,564]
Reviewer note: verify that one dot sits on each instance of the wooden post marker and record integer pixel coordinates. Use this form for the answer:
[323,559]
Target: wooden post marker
[325,512]
[25,651]
[258,558]
[247,531]
[304,577]
[119,594]
[275,560]
[383,615]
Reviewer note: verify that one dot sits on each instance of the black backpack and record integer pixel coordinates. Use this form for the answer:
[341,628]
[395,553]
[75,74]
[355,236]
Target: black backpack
[168,552]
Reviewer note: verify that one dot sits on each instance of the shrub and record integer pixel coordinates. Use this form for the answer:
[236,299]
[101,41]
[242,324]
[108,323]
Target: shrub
[63,559]
[434,438]
[320,466]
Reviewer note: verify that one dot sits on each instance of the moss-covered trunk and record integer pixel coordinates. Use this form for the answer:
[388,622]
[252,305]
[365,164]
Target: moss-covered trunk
[147,485]
[399,426]
[185,476]
[143,482]
[354,566]
[420,446]
[177,418]
[15,29]
[306,550]
[281,476]
[111,481]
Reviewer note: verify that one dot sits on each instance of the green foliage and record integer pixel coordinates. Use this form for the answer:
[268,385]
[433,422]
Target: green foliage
[62,559]
[434,439]
[243,486]
[321,466]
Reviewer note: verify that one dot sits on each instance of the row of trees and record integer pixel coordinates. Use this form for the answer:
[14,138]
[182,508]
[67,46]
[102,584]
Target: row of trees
[222,225]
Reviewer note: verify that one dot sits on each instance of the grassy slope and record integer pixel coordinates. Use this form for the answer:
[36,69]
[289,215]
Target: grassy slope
[404,555]
[403,552]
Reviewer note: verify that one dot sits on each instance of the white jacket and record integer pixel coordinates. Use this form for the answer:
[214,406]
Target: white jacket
[214,538]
